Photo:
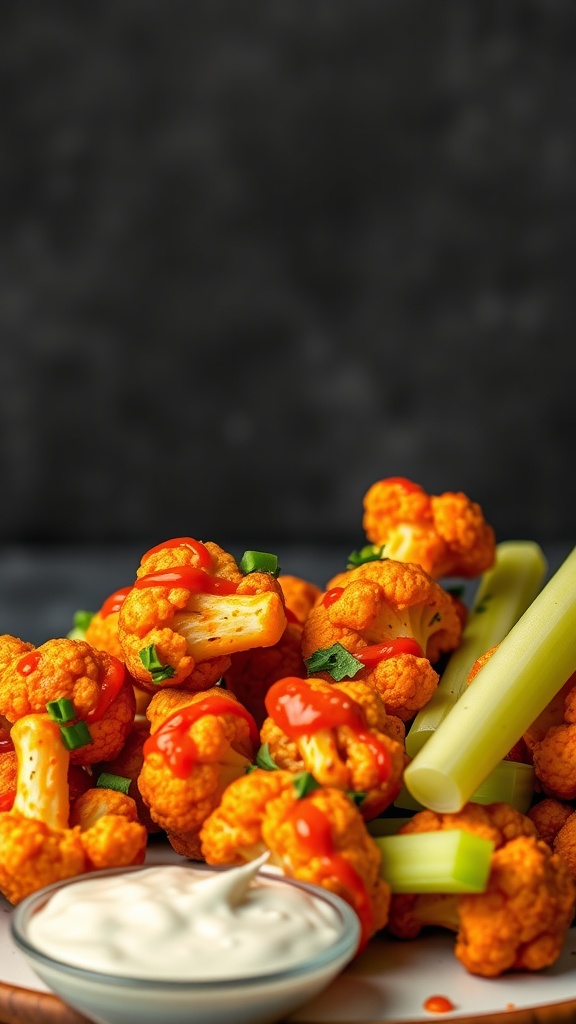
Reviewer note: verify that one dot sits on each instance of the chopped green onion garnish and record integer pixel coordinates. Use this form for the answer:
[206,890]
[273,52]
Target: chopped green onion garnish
[81,620]
[151,661]
[368,553]
[76,735]
[304,783]
[106,780]
[265,760]
[504,593]
[61,710]
[527,669]
[335,660]
[259,561]
[452,860]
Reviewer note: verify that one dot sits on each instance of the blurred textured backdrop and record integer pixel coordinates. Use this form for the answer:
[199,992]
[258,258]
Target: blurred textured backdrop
[256,255]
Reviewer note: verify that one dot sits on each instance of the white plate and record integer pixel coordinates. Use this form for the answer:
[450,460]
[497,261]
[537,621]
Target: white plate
[388,983]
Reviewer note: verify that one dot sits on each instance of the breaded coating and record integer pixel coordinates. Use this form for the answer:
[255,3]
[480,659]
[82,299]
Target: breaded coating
[388,602]
[127,764]
[300,595]
[552,743]
[446,534]
[549,815]
[198,744]
[190,609]
[111,833]
[252,673]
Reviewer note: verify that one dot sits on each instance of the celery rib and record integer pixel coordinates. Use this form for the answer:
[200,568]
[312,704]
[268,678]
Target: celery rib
[529,666]
[448,861]
[504,593]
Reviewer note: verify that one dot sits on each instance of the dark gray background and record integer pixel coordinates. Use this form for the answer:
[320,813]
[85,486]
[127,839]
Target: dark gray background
[256,255]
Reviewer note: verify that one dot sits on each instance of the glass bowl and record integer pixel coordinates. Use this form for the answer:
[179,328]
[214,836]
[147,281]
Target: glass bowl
[261,998]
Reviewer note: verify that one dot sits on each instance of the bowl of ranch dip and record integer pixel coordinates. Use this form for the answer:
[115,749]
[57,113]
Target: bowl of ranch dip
[185,943]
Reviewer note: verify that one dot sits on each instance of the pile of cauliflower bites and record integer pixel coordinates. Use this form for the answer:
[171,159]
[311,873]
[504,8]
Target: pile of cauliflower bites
[237,710]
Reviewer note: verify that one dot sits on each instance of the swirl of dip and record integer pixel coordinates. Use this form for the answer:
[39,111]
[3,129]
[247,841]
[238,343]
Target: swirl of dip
[183,923]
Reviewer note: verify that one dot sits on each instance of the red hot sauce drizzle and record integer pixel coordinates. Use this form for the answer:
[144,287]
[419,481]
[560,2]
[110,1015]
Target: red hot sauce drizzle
[300,710]
[201,551]
[109,689]
[172,738]
[314,833]
[29,663]
[438,1004]
[114,602]
[197,581]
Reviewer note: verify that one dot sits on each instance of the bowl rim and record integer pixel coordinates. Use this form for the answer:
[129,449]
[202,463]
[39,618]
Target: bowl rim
[347,942]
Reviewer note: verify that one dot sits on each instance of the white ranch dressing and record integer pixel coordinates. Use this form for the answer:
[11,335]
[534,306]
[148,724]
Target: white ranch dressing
[177,922]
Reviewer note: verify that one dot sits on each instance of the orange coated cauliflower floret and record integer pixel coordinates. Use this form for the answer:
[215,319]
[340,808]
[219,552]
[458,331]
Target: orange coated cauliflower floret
[252,673]
[341,734]
[446,534]
[198,744]
[111,831]
[190,609]
[395,617]
[318,838]
[552,742]
[300,595]
[520,921]
[549,815]
[38,845]
[94,681]
[102,629]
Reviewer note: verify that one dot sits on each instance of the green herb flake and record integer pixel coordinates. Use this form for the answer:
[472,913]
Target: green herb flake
[76,735]
[158,671]
[304,783]
[368,553]
[61,710]
[107,780]
[259,561]
[265,760]
[335,660]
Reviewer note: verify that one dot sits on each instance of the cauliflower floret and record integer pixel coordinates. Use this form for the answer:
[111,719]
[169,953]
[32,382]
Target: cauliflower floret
[38,845]
[398,606]
[520,921]
[341,734]
[300,595]
[198,744]
[446,534]
[320,838]
[549,815]
[110,830]
[94,681]
[189,610]
[252,673]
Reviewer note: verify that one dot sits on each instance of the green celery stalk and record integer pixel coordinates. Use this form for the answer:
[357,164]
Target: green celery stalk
[504,593]
[450,861]
[529,666]
[510,782]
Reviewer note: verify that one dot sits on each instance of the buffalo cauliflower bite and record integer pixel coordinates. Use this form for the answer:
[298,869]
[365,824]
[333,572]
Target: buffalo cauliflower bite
[189,610]
[395,617]
[102,630]
[95,682]
[37,844]
[552,743]
[520,921]
[300,595]
[252,673]
[341,734]
[549,815]
[446,534]
[198,744]
[320,838]
[111,831]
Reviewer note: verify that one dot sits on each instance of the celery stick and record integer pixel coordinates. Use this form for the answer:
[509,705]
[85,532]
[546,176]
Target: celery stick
[529,666]
[449,861]
[510,782]
[504,593]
